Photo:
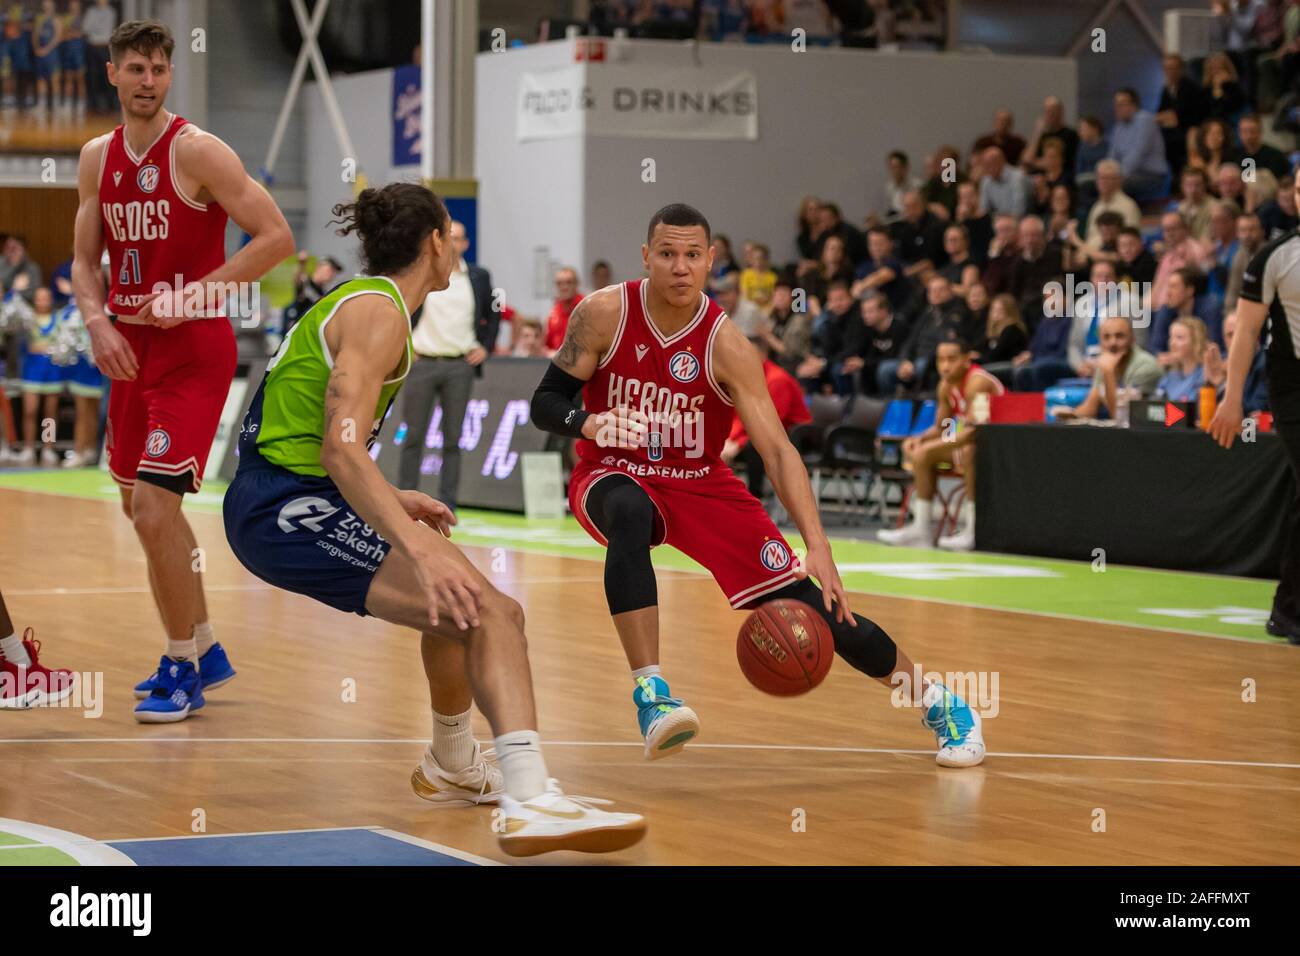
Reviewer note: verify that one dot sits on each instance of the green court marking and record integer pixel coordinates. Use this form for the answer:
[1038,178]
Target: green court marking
[13,839]
[18,850]
[1205,604]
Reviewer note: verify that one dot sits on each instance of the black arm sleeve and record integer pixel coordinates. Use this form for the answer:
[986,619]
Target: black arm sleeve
[553,408]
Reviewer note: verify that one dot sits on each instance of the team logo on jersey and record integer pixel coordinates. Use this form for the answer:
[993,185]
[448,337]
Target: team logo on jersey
[147,178]
[684,367]
[641,351]
[156,445]
[775,555]
[308,512]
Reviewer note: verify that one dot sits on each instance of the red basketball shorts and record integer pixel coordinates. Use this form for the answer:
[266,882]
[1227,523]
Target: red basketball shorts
[714,520]
[161,425]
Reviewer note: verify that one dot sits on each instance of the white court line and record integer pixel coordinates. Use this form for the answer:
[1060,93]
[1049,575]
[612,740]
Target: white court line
[806,748]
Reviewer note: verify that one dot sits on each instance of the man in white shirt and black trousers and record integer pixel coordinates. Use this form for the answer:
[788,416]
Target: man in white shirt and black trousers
[453,333]
[1270,291]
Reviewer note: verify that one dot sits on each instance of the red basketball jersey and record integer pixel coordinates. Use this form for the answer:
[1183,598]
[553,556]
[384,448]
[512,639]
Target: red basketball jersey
[668,378]
[957,393]
[154,232]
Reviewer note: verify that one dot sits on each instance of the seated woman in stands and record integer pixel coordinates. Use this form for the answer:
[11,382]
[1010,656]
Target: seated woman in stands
[1186,373]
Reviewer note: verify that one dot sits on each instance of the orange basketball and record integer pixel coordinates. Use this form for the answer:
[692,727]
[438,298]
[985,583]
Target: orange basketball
[785,648]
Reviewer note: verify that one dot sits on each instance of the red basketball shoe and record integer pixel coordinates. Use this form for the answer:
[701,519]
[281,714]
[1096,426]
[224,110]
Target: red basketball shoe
[33,686]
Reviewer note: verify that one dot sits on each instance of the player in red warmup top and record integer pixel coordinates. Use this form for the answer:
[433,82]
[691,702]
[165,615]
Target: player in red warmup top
[662,371]
[156,192]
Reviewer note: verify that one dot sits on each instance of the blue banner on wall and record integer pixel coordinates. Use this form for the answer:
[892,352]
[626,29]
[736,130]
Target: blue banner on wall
[406,115]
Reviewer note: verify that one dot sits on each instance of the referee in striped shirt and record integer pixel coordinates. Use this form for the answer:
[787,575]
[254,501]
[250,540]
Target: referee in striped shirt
[1270,292]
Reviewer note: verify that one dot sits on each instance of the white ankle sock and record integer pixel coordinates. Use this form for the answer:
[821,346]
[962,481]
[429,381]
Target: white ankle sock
[520,755]
[12,650]
[453,741]
[203,637]
[183,650]
[650,671]
[921,508]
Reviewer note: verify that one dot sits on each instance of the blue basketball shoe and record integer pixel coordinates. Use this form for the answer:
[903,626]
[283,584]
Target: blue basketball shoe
[214,670]
[177,692]
[666,723]
[957,730]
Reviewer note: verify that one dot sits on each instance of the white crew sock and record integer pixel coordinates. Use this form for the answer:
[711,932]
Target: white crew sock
[968,515]
[453,741]
[203,637]
[183,650]
[520,755]
[650,671]
[12,650]
[922,509]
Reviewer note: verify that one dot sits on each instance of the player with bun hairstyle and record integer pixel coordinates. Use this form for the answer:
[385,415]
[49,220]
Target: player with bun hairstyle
[309,511]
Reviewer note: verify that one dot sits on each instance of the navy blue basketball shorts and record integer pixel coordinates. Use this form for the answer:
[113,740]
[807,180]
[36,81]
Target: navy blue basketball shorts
[297,533]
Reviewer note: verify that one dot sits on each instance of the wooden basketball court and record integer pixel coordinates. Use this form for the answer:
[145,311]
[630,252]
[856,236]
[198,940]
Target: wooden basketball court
[1111,744]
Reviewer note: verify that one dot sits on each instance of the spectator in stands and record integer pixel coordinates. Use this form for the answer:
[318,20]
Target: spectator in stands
[1229,185]
[1004,188]
[723,262]
[1251,134]
[833,267]
[18,272]
[748,317]
[1223,97]
[1279,214]
[1060,213]
[1111,198]
[601,275]
[1105,246]
[530,339]
[809,214]
[1052,172]
[1041,261]
[308,287]
[1288,54]
[97,25]
[1195,202]
[1004,338]
[1182,304]
[830,223]
[1136,144]
[979,224]
[961,384]
[1254,396]
[1121,365]
[882,270]
[1092,306]
[899,181]
[1179,110]
[790,334]
[940,188]
[758,279]
[1003,137]
[1135,264]
[1209,148]
[791,409]
[567,298]
[878,337]
[1051,125]
[1250,238]
[1178,251]
[1185,372]
[1046,361]
[1237,20]
[1093,148]
[918,236]
[960,268]
[943,312]
[828,330]
[1004,254]
[1223,249]
[977,304]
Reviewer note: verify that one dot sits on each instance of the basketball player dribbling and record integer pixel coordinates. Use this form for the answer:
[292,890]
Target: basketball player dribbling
[662,371]
[157,192]
[309,511]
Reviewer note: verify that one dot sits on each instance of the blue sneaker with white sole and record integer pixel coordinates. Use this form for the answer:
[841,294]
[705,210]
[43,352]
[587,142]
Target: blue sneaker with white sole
[666,723]
[214,670]
[957,729]
[177,693]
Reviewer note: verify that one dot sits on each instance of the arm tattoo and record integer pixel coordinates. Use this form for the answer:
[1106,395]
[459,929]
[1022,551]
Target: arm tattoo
[577,339]
[333,394]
